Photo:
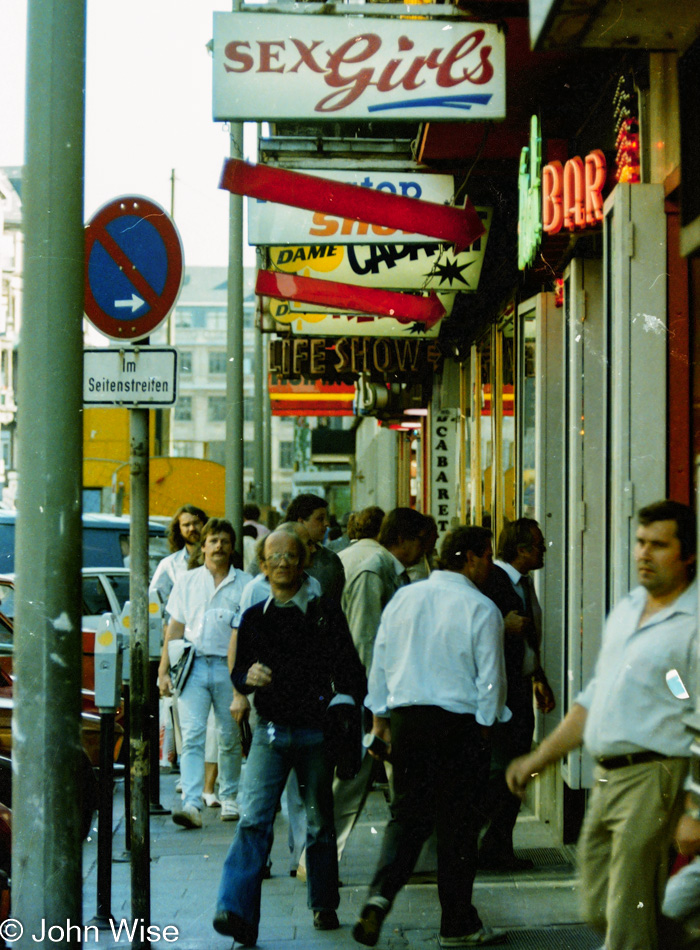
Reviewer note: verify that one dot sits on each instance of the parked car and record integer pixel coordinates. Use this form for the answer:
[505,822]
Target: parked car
[105,590]
[105,541]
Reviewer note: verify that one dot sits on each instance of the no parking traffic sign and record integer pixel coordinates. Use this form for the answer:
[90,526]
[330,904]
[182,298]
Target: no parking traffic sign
[133,267]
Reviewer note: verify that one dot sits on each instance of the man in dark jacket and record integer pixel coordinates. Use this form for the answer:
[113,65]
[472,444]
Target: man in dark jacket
[521,550]
[295,654]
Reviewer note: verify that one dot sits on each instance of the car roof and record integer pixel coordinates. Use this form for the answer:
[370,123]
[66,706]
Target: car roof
[95,520]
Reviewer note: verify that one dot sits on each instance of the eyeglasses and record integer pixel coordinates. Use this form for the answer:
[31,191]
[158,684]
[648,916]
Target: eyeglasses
[275,559]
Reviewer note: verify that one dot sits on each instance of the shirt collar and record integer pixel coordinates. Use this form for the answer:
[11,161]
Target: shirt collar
[514,574]
[398,566]
[451,577]
[301,599]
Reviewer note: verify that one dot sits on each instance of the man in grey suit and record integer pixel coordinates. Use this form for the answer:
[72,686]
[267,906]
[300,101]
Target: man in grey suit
[376,580]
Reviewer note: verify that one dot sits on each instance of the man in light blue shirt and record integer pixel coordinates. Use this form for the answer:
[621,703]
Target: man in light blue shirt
[436,686]
[630,717]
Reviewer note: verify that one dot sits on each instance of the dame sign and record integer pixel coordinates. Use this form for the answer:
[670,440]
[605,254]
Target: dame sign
[284,66]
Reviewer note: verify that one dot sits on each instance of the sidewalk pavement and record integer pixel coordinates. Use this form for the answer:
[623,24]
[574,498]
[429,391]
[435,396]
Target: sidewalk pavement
[539,909]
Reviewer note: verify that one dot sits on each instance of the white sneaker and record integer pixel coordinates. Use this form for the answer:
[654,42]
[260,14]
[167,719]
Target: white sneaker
[178,787]
[189,817]
[229,810]
[211,800]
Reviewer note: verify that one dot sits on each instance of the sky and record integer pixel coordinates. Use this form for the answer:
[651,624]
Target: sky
[148,111]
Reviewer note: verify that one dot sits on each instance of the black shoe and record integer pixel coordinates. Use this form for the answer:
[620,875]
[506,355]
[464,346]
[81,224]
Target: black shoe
[369,924]
[231,925]
[326,920]
[504,862]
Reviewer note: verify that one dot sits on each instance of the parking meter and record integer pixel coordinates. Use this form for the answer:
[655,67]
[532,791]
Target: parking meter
[155,625]
[125,635]
[108,664]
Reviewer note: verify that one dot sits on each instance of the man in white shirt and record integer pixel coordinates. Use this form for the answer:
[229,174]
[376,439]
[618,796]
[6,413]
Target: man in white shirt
[631,719]
[436,686]
[184,533]
[203,607]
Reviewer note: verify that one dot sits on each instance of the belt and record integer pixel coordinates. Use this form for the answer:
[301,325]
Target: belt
[631,758]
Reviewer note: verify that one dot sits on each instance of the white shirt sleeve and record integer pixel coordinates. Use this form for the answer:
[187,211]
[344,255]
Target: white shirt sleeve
[378,691]
[490,665]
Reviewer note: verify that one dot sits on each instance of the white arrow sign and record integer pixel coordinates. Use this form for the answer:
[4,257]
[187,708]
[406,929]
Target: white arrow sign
[134,303]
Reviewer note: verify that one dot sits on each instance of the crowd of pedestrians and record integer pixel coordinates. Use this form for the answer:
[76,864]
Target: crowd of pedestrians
[443,676]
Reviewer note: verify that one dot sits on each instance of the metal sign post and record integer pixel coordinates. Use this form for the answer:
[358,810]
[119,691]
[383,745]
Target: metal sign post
[139,745]
[133,275]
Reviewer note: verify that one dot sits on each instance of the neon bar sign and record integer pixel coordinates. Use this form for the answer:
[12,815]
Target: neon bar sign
[572,194]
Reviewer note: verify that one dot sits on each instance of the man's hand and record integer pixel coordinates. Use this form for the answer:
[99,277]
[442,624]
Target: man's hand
[687,837]
[165,684]
[515,625]
[519,773]
[381,727]
[259,675]
[240,707]
[544,697]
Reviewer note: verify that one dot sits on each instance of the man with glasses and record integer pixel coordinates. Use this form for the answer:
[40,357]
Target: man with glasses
[521,550]
[294,653]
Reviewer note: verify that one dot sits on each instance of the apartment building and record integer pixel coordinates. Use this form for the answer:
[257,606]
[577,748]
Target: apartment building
[198,422]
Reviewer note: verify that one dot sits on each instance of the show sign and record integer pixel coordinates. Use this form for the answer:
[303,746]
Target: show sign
[295,357]
[399,266]
[273,223]
[271,67]
[388,211]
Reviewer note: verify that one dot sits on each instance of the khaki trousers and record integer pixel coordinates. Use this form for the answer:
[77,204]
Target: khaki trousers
[623,851]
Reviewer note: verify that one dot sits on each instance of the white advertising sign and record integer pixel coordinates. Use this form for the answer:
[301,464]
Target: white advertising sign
[269,67]
[271,223]
[444,500]
[389,266]
[289,315]
[130,376]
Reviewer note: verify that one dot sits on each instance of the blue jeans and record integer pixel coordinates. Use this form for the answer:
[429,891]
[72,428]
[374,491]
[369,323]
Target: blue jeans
[209,684]
[274,752]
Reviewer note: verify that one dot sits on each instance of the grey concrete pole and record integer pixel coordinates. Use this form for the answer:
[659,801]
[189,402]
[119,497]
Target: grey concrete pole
[234,354]
[139,745]
[46,840]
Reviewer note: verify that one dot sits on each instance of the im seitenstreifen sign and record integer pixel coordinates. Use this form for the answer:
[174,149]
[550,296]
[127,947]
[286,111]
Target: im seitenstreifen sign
[285,66]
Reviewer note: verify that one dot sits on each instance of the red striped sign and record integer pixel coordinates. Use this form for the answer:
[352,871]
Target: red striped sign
[458,226]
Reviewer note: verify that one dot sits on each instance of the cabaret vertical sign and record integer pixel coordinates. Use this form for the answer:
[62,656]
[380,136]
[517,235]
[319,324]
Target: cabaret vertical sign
[444,495]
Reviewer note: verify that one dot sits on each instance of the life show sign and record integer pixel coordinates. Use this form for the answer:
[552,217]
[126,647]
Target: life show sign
[271,67]
[273,223]
[337,360]
[391,266]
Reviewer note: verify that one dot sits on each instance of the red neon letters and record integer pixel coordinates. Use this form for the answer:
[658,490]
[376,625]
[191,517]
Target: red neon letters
[572,195]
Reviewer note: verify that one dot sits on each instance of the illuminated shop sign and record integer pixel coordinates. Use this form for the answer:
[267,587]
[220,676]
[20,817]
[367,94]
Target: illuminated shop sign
[556,196]
[334,358]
